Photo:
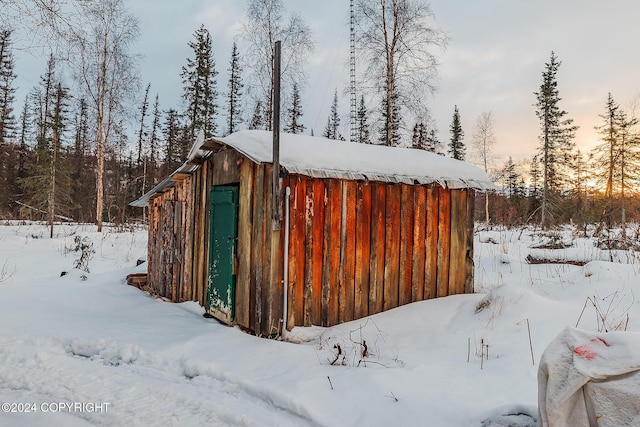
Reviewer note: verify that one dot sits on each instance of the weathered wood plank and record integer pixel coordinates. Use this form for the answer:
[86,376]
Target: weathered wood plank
[158,247]
[431,257]
[392,247]
[419,243]
[331,256]
[201,259]
[257,246]
[457,249]
[266,295]
[326,283]
[188,293]
[208,168]
[202,221]
[363,249]
[347,252]
[376,278]
[406,243]
[226,169]
[468,284]
[176,255]
[245,222]
[444,241]
[187,259]
[297,251]
[318,239]
[152,244]
[308,255]
[277,270]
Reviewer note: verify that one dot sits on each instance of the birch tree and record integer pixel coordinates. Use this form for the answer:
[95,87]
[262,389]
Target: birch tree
[105,70]
[7,89]
[482,143]
[397,39]
[266,23]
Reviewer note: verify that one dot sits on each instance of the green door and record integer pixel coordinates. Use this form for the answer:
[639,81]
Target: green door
[223,233]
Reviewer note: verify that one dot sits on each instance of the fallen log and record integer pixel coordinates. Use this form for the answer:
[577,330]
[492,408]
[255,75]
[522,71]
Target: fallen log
[535,260]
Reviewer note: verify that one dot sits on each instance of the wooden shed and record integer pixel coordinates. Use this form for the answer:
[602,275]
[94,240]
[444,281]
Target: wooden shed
[364,229]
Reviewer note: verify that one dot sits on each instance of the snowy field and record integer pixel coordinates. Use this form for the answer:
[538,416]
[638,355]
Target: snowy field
[86,349]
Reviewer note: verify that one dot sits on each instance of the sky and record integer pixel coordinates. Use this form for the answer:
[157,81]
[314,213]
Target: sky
[495,56]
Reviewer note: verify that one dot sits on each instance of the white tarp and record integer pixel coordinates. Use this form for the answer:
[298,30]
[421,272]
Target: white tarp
[590,379]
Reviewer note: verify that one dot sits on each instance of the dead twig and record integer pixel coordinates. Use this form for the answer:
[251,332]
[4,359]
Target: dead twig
[336,346]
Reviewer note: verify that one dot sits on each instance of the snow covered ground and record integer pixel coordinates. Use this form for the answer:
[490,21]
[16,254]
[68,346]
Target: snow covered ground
[86,349]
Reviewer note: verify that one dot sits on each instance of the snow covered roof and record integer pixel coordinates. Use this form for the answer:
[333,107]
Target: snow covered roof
[326,158]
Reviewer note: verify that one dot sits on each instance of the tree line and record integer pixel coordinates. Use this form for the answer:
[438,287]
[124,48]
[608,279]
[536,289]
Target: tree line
[74,152]
[71,152]
[560,184]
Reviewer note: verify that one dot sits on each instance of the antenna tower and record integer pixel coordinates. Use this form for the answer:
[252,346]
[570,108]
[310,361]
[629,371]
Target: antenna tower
[352,72]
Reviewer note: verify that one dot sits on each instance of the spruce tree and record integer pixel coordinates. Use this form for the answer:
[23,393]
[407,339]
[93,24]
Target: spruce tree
[154,142]
[171,135]
[8,152]
[419,136]
[606,155]
[579,190]
[7,91]
[510,177]
[59,195]
[25,122]
[80,180]
[433,144]
[629,161]
[362,125]
[556,141]
[535,185]
[514,188]
[258,119]
[142,132]
[332,129]
[294,114]
[456,144]
[199,84]
[185,141]
[234,96]
[48,178]
[616,157]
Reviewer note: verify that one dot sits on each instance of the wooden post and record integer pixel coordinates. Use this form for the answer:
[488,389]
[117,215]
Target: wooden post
[275,206]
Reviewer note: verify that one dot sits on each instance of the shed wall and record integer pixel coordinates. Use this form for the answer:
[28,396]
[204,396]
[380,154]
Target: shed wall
[358,248]
[355,247]
[179,230]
